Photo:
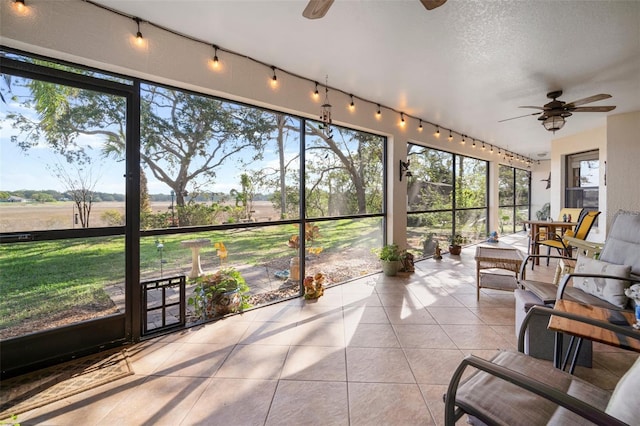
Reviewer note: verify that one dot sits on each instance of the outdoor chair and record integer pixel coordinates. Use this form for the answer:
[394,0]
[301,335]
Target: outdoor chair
[584,225]
[594,282]
[516,389]
[565,212]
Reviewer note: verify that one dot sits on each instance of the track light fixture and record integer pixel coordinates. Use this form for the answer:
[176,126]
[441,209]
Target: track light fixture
[378,113]
[316,94]
[139,38]
[450,136]
[404,169]
[215,62]
[437,131]
[402,121]
[420,127]
[274,79]
[352,106]
[483,147]
[473,145]
[462,141]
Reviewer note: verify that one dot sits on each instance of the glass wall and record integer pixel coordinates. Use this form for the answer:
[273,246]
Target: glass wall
[446,196]
[514,186]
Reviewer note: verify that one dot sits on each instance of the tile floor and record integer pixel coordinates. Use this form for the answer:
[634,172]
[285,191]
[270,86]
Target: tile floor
[376,351]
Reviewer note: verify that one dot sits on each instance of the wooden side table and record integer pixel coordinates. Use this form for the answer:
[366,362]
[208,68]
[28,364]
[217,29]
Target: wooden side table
[565,266]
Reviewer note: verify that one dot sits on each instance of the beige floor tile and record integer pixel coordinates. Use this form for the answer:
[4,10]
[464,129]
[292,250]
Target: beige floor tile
[315,363]
[387,404]
[423,336]
[194,360]
[319,334]
[384,365]
[433,366]
[370,336]
[365,315]
[309,403]
[225,402]
[319,312]
[146,357]
[268,333]
[408,315]
[452,315]
[159,401]
[405,298]
[278,312]
[361,299]
[495,315]
[254,362]
[475,337]
[223,331]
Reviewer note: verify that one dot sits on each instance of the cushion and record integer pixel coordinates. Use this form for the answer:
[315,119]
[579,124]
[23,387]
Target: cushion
[623,404]
[608,289]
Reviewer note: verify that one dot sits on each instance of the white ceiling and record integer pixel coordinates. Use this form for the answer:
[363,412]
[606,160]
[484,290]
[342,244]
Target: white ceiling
[465,65]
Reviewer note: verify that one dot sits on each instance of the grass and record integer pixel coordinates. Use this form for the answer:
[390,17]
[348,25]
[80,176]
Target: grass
[39,278]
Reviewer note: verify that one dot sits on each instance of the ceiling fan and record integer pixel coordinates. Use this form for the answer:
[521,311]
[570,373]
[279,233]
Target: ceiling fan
[554,113]
[318,8]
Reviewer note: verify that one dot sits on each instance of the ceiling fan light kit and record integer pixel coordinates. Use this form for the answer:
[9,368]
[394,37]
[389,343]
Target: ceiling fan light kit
[554,113]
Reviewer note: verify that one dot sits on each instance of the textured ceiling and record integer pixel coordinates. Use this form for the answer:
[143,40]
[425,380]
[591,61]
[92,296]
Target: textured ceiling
[465,65]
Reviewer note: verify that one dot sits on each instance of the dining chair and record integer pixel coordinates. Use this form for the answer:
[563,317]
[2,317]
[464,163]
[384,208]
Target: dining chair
[584,225]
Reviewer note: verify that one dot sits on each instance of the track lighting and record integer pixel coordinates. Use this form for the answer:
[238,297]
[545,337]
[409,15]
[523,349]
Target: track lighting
[402,122]
[437,131]
[404,169]
[420,126]
[19,6]
[378,113]
[352,106]
[473,145]
[316,94]
[215,62]
[491,150]
[483,147]
[274,79]
[450,136]
[462,141]
[139,38]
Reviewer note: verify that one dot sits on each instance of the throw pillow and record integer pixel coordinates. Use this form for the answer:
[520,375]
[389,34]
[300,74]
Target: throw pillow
[608,289]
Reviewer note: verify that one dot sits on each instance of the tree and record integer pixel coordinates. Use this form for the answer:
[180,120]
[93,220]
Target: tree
[80,186]
[185,137]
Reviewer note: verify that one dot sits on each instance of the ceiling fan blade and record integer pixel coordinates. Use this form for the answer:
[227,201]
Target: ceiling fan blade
[317,8]
[432,4]
[590,99]
[534,107]
[520,116]
[594,109]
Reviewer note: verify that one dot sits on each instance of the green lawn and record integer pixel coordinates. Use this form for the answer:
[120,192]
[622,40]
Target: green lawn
[40,278]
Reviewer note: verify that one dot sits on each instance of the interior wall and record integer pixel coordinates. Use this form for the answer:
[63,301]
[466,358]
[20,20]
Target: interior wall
[85,34]
[539,192]
[580,142]
[622,170]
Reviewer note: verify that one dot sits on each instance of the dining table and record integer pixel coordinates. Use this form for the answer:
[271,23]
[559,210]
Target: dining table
[551,226]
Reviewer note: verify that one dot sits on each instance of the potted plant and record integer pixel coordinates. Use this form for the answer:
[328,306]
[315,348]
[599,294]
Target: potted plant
[219,294]
[455,246]
[391,258]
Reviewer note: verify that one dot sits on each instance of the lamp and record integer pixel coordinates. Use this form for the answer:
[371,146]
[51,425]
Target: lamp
[274,79]
[316,94]
[139,39]
[352,105]
[420,127]
[325,114]
[402,122]
[378,113]
[437,134]
[553,123]
[215,61]
[404,169]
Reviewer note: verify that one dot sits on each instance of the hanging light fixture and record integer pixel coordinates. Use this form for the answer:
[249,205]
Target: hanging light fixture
[450,136]
[215,62]
[437,131]
[553,123]
[316,94]
[19,6]
[139,38]
[378,113]
[274,79]
[420,127]
[473,145]
[402,122]
[352,105]
[325,114]
[462,141]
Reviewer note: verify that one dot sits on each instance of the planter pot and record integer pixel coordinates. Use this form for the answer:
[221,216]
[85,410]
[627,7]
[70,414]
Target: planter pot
[391,267]
[455,250]
[227,303]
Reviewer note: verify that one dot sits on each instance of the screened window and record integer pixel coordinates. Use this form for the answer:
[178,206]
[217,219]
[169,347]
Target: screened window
[583,175]
[514,186]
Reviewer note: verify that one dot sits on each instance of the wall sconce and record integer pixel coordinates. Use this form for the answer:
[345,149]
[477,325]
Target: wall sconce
[404,169]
